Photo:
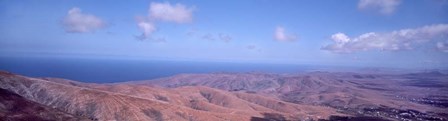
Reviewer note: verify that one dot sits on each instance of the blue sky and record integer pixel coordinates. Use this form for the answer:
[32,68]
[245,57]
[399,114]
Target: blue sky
[366,33]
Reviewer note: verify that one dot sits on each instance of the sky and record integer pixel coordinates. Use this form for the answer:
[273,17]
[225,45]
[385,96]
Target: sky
[365,33]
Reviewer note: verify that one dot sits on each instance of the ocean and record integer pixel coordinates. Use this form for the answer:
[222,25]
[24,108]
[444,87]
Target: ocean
[115,70]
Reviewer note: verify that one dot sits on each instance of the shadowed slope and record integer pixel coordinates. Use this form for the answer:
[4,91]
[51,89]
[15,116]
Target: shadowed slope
[14,107]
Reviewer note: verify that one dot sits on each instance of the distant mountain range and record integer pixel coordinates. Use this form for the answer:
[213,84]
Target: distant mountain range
[230,96]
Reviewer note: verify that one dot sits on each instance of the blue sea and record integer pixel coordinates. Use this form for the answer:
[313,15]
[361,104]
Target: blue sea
[116,70]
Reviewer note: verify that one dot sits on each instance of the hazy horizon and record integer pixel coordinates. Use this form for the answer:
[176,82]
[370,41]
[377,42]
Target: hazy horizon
[99,70]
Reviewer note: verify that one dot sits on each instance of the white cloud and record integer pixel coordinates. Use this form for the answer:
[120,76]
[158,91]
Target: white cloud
[177,13]
[442,46]
[172,13]
[383,6]
[147,27]
[78,22]
[396,40]
[340,38]
[281,35]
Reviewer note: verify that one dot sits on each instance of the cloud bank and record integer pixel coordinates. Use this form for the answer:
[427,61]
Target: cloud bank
[382,6]
[78,22]
[396,40]
[281,35]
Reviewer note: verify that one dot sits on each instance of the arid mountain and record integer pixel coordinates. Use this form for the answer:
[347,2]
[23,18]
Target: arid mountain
[140,102]
[349,93]
[243,96]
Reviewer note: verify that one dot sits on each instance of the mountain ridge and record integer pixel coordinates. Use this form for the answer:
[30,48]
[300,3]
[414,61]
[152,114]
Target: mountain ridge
[238,96]
[98,101]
